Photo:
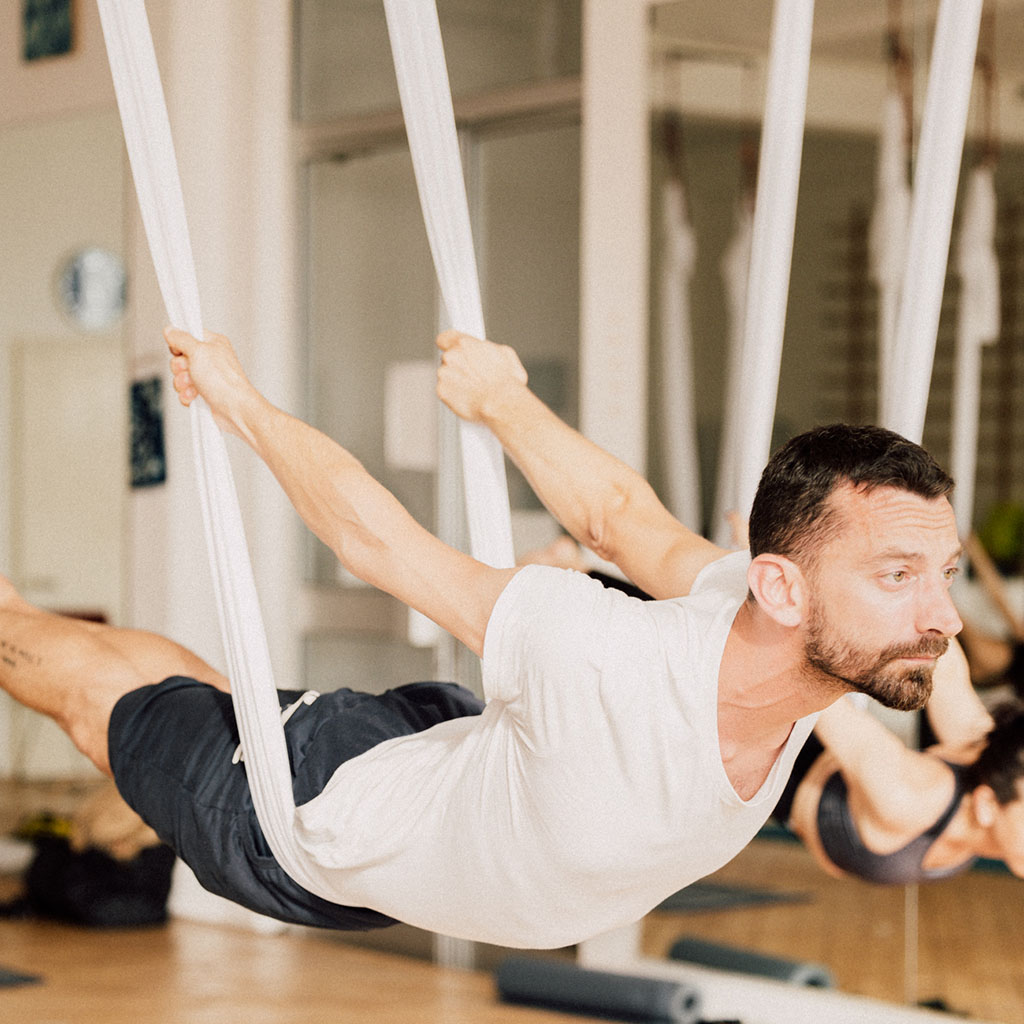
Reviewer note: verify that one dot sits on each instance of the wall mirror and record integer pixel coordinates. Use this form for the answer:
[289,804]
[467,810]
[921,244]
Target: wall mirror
[940,942]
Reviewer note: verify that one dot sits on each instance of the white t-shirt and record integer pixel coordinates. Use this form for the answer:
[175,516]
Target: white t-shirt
[589,790]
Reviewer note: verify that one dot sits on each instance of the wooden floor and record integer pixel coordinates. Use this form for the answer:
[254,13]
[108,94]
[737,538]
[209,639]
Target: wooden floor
[192,974]
[969,954]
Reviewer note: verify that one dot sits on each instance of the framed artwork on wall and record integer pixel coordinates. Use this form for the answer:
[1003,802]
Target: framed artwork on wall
[47,28]
[148,458]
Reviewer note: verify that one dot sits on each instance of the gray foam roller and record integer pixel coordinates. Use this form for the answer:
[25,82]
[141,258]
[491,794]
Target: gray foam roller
[745,961]
[561,985]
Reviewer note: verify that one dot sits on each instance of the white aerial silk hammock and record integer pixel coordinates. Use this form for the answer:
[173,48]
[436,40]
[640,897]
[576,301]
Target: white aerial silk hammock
[417,48]
[678,258]
[890,218]
[771,247]
[943,126]
[977,325]
[430,125]
[735,267]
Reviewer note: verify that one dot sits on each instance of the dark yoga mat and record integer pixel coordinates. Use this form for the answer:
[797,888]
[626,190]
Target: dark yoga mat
[701,897]
[10,978]
[561,985]
[745,961]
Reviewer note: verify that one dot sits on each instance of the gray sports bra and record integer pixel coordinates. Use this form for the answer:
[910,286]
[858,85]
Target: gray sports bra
[846,849]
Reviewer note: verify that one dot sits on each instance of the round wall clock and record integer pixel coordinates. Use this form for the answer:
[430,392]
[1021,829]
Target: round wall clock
[92,288]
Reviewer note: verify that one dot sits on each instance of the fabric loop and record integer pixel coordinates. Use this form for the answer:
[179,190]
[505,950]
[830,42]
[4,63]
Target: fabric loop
[151,154]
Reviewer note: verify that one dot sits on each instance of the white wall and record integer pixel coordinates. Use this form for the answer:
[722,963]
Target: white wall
[226,75]
[53,87]
[61,188]
[226,70]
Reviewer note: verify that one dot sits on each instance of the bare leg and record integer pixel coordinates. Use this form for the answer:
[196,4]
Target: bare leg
[75,671]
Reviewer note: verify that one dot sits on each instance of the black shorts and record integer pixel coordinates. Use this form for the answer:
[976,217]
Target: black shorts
[171,747]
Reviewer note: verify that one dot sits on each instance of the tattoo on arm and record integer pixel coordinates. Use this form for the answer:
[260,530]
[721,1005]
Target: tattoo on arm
[14,656]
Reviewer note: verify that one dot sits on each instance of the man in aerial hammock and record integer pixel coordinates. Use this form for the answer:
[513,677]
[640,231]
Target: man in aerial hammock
[625,749]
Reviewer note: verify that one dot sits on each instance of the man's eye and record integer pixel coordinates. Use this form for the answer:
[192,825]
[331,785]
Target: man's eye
[898,576]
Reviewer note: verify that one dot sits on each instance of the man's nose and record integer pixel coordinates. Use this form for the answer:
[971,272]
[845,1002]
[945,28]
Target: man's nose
[938,613]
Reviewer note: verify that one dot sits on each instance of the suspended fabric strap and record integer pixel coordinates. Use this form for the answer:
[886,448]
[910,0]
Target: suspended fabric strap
[678,257]
[936,173]
[778,179]
[978,319]
[735,269]
[887,232]
[154,168]
[423,86]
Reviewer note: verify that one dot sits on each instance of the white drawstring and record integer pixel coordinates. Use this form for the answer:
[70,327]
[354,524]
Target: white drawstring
[286,713]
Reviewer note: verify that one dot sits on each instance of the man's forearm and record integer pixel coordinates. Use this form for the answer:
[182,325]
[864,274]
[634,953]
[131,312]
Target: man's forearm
[369,530]
[603,503]
[358,518]
[584,487]
[338,500]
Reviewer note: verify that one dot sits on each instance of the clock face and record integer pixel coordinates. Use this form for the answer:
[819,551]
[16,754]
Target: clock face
[92,287]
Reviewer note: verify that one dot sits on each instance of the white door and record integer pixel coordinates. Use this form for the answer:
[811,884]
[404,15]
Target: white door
[68,463]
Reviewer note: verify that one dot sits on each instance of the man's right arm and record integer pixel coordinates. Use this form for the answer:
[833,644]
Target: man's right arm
[602,502]
[955,711]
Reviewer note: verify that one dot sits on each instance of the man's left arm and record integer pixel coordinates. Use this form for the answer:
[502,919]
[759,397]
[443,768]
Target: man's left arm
[372,534]
[603,503]
[954,710]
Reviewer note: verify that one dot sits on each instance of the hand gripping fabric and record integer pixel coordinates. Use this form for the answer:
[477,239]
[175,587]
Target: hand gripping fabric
[154,168]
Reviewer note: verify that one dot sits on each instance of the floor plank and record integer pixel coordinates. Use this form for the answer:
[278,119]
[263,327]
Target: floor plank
[193,974]
[968,952]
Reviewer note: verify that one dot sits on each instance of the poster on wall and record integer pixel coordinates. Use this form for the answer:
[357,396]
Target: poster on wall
[148,459]
[47,28]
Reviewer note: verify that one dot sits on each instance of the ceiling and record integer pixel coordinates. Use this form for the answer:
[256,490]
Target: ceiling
[843,30]
[849,45]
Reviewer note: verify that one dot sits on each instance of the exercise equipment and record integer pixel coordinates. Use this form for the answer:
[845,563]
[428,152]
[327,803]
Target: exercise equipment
[887,232]
[561,985]
[678,258]
[936,173]
[977,325]
[745,961]
[420,67]
[735,268]
[748,425]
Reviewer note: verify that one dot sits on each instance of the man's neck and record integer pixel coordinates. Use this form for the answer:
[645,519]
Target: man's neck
[764,684]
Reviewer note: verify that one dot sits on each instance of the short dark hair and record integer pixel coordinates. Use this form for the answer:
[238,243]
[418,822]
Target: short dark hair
[791,513]
[1001,763]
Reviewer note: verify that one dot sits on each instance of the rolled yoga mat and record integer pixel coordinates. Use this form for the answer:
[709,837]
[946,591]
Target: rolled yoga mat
[560,985]
[745,961]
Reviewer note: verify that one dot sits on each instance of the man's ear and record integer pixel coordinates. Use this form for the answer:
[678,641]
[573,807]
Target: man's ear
[779,587]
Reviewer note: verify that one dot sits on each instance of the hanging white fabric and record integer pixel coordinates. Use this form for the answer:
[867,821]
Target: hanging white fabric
[936,174]
[433,141]
[772,245]
[735,267]
[678,258]
[887,233]
[154,168]
[978,318]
